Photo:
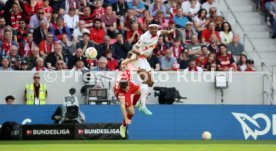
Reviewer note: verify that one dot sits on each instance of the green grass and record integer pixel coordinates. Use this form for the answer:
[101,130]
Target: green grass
[92,145]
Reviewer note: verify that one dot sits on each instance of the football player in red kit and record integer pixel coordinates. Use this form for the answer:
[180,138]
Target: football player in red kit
[124,90]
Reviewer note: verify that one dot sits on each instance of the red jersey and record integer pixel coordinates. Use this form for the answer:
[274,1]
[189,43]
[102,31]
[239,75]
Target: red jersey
[98,12]
[46,47]
[97,35]
[25,48]
[225,61]
[29,11]
[201,61]
[177,51]
[160,50]
[48,11]
[136,38]
[122,94]
[123,75]
[112,64]
[15,18]
[206,35]
[88,20]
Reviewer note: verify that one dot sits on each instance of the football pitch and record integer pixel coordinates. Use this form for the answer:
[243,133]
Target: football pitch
[93,145]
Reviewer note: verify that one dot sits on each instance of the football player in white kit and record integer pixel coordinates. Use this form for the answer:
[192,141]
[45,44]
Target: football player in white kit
[141,51]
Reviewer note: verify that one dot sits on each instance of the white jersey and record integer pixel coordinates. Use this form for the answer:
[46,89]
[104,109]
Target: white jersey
[147,43]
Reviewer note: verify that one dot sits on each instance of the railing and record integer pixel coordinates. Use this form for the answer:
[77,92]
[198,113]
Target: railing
[247,42]
[268,92]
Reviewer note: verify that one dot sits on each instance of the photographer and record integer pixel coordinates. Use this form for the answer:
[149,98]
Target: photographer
[70,110]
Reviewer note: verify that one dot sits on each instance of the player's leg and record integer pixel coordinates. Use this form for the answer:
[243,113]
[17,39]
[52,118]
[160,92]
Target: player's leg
[144,91]
[150,81]
[123,127]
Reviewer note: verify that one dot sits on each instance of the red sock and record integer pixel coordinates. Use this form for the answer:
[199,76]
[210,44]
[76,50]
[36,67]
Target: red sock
[129,117]
[136,98]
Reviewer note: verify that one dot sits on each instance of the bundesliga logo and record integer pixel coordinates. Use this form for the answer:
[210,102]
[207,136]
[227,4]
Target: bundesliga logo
[98,131]
[29,132]
[80,131]
[48,132]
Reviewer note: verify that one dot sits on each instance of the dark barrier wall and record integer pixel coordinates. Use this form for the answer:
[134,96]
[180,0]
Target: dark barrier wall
[168,122]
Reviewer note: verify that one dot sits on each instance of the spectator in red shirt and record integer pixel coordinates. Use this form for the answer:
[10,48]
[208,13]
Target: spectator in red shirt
[206,33]
[250,66]
[87,17]
[211,60]
[134,34]
[13,17]
[225,61]
[112,63]
[176,48]
[6,43]
[172,8]
[25,47]
[145,20]
[29,9]
[97,33]
[21,32]
[48,10]
[126,22]
[162,22]
[202,60]
[47,46]
[99,10]
[160,50]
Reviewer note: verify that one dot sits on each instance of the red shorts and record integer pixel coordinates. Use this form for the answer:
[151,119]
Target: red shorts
[133,88]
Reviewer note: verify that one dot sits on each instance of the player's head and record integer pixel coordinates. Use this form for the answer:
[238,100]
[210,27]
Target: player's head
[153,28]
[124,84]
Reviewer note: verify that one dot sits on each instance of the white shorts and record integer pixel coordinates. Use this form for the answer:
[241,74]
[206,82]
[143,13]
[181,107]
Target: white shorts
[141,63]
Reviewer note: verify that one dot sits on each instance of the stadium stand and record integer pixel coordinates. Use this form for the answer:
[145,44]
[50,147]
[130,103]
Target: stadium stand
[114,28]
[26,19]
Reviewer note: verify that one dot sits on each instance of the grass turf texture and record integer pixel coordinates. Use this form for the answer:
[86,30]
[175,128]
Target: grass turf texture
[88,145]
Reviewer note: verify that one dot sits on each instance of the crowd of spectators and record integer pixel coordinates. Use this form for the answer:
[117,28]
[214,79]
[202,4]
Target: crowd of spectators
[42,35]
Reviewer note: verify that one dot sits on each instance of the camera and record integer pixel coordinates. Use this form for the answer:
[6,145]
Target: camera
[71,109]
[167,95]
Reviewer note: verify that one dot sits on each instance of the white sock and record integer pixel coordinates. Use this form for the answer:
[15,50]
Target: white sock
[144,94]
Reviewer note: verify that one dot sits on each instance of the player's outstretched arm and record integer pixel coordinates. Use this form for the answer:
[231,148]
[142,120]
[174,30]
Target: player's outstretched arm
[166,32]
[129,60]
